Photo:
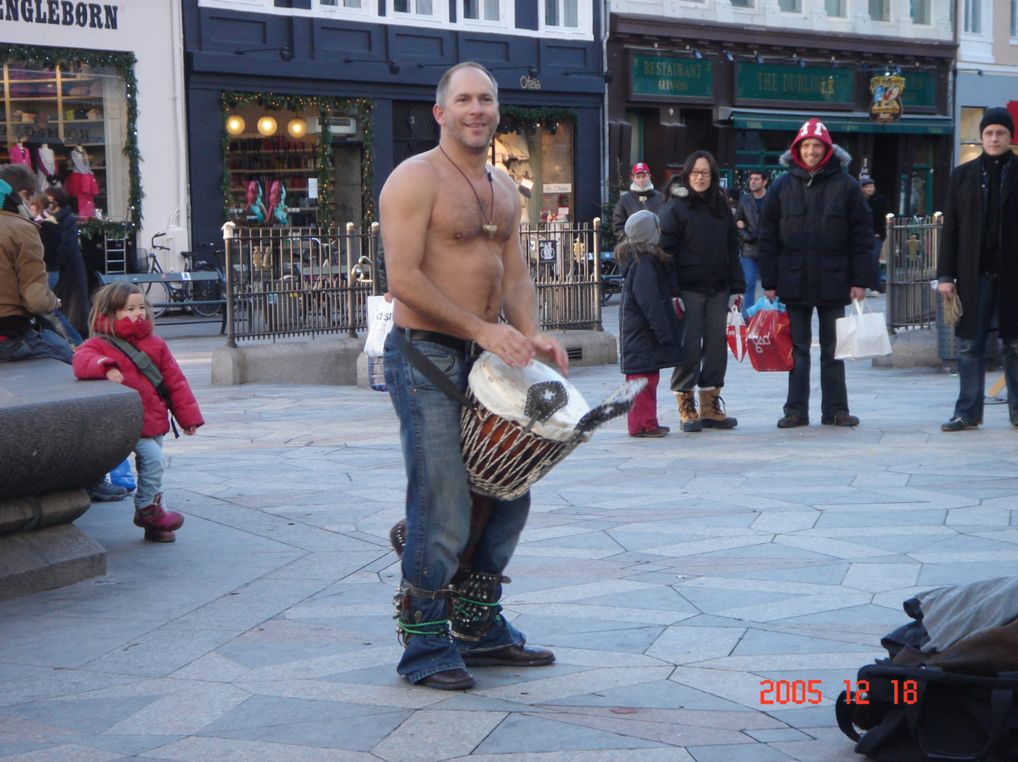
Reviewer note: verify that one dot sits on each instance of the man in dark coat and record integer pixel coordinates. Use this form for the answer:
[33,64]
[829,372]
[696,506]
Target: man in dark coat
[816,243]
[747,219]
[641,195]
[978,262]
[880,207]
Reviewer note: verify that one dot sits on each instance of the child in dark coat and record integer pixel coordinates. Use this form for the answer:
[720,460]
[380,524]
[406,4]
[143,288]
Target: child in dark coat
[120,313]
[651,336]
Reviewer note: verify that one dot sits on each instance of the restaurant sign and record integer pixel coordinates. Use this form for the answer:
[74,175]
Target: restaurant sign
[794,84]
[670,77]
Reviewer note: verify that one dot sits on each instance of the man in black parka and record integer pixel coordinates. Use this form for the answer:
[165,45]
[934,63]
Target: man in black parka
[978,261]
[816,240]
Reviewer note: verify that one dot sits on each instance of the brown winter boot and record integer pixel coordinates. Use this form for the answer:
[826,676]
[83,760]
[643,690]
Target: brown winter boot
[159,524]
[688,418]
[712,410]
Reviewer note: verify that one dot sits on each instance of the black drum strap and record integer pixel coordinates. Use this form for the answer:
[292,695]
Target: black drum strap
[429,369]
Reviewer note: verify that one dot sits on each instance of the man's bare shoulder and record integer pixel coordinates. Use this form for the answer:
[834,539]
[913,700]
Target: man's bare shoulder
[417,169]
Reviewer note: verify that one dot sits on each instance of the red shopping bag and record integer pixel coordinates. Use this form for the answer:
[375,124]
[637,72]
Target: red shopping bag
[736,332]
[770,341]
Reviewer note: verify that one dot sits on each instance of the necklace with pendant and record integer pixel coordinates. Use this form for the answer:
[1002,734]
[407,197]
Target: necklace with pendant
[489,225]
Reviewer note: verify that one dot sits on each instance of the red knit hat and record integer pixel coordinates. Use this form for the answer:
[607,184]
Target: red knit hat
[815,129]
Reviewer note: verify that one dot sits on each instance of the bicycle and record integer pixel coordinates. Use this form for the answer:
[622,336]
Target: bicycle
[201,297]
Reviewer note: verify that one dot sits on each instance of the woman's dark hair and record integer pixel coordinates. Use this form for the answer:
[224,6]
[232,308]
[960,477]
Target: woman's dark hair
[58,196]
[626,252]
[714,196]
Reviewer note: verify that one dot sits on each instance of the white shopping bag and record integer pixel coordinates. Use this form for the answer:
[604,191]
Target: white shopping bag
[379,325]
[861,334]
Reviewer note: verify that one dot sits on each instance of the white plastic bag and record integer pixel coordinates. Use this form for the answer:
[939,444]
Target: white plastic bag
[379,325]
[861,334]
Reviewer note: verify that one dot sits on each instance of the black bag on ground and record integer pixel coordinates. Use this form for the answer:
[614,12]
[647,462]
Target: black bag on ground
[915,714]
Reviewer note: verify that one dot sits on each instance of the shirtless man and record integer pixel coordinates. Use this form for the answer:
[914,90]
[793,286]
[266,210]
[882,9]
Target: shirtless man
[450,225]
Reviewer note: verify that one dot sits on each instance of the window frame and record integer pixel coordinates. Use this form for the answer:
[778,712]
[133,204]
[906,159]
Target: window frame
[440,15]
[506,16]
[584,20]
[365,11]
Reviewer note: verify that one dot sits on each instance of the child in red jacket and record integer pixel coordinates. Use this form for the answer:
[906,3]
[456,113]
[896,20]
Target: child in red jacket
[120,311]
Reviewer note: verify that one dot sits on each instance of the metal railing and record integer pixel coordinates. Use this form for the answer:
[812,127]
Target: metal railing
[297,281]
[913,244]
[565,263]
[289,281]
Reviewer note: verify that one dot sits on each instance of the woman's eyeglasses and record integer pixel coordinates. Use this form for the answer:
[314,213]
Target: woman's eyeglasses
[700,173]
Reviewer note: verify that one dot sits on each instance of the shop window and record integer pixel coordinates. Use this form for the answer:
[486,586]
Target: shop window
[835,8]
[921,11]
[275,171]
[971,144]
[69,123]
[742,3]
[880,10]
[790,6]
[540,160]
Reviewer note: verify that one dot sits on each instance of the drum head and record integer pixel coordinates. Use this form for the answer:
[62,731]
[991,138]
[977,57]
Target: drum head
[503,391]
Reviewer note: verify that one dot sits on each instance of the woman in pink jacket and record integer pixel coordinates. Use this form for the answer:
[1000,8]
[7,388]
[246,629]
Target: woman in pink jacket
[121,328]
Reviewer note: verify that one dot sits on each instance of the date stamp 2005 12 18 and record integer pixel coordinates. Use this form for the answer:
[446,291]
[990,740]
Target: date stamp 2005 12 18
[800,692]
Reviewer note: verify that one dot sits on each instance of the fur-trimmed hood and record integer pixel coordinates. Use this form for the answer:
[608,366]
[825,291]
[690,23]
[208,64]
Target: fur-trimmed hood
[843,157]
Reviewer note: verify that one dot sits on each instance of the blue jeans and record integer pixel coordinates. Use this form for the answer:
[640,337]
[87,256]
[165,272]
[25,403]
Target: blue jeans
[438,508]
[35,344]
[148,460]
[972,362]
[72,332]
[751,272]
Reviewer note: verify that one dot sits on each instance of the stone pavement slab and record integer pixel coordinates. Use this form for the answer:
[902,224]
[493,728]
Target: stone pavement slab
[671,576]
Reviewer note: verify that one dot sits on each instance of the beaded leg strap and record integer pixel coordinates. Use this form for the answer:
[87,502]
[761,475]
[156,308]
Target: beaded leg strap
[410,622]
[475,604]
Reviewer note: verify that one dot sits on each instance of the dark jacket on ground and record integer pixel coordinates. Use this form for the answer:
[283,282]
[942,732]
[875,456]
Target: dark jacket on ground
[651,336]
[749,235]
[816,237]
[704,249]
[631,202]
[962,242]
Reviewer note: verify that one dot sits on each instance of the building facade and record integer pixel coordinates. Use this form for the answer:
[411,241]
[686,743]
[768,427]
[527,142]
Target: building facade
[738,78]
[299,109]
[93,99]
[987,69]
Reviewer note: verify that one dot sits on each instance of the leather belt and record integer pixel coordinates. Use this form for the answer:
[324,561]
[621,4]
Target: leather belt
[452,342]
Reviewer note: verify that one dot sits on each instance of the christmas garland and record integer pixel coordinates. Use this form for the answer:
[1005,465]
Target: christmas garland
[325,106]
[123,65]
[523,119]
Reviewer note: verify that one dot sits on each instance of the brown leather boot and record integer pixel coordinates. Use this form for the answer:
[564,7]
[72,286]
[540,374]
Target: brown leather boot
[688,417]
[712,410]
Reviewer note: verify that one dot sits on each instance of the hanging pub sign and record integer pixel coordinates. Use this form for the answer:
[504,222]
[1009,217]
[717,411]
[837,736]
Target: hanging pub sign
[886,91]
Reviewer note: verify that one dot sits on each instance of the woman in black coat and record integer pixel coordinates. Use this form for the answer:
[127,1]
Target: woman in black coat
[651,337]
[698,232]
[72,286]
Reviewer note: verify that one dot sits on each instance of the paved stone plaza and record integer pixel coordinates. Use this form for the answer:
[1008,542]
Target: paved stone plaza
[670,576]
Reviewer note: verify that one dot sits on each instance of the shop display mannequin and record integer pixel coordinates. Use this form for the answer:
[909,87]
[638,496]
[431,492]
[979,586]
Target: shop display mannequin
[46,167]
[255,210]
[19,154]
[277,204]
[82,183]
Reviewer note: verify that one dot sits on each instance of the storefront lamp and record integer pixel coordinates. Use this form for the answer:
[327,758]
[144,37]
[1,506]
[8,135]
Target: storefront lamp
[267,126]
[297,128]
[235,124]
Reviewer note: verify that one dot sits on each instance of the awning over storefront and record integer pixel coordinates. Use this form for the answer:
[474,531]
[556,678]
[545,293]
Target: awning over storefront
[912,125]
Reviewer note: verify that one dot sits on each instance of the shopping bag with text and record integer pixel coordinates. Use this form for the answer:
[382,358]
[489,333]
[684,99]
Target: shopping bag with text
[769,341]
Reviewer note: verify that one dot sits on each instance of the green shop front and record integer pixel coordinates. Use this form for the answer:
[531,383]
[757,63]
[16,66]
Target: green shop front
[743,96]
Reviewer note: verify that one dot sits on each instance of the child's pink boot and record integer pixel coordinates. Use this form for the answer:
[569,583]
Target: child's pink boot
[158,523]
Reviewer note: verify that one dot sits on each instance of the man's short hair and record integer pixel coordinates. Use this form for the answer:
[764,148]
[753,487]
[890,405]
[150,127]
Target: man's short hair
[19,177]
[443,84]
[759,172]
